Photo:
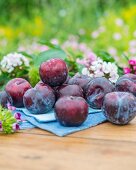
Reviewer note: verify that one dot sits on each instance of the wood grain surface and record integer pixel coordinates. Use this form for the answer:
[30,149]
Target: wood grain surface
[104,147]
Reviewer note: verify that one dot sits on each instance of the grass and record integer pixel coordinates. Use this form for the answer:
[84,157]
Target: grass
[47,19]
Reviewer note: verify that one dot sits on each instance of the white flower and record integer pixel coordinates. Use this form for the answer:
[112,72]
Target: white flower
[119,22]
[10,69]
[117,36]
[54,41]
[98,73]
[95,34]
[133,50]
[113,78]
[85,71]
[101,68]
[112,51]
[105,67]
[132,43]
[12,60]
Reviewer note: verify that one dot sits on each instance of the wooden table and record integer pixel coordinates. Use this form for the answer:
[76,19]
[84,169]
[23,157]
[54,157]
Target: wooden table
[104,147]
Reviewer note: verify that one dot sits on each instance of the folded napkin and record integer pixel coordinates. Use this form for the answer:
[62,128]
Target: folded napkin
[48,121]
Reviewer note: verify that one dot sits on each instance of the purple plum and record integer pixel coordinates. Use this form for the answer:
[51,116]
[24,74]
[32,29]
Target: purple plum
[16,88]
[119,107]
[127,83]
[71,111]
[95,91]
[53,72]
[40,99]
[5,99]
[79,79]
[69,90]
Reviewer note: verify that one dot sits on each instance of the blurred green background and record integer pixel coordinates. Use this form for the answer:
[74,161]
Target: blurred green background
[101,24]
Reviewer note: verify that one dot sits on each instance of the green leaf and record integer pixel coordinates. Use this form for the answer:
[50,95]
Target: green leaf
[46,55]
[33,75]
[126,57]
[31,56]
[49,44]
[120,71]
[105,56]
[3,80]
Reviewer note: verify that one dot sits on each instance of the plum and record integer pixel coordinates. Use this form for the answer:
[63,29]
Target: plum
[79,79]
[71,111]
[53,72]
[40,99]
[40,85]
[119,107]
[127,83]
[5,99]
[44,87]
[16,88]
[69,90]
[95,91]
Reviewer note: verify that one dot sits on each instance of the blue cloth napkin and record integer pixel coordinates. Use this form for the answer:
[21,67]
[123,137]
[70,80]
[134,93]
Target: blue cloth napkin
[48,121]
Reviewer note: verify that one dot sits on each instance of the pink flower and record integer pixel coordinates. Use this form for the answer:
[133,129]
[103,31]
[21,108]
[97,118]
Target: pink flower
[82,47]
[91,56]
[126,70]
[1,126]
[132,62]
[15,127]
[9,107]
[43,48]
[55,41]
[17,116]
[134,68]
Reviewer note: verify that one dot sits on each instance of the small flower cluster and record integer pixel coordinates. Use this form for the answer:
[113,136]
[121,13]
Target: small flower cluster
[8,122]
[100,68]
[33,48]
[131,68]
[73,44]
[13,60]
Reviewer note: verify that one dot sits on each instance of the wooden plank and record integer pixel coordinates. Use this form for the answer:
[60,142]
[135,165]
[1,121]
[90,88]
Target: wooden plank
[110,131]
[104,131]
[37,151]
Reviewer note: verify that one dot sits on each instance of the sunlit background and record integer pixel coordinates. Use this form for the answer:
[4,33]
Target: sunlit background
[76,25]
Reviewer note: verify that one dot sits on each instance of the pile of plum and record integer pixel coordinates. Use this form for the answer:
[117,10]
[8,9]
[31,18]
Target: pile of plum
[71,97]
